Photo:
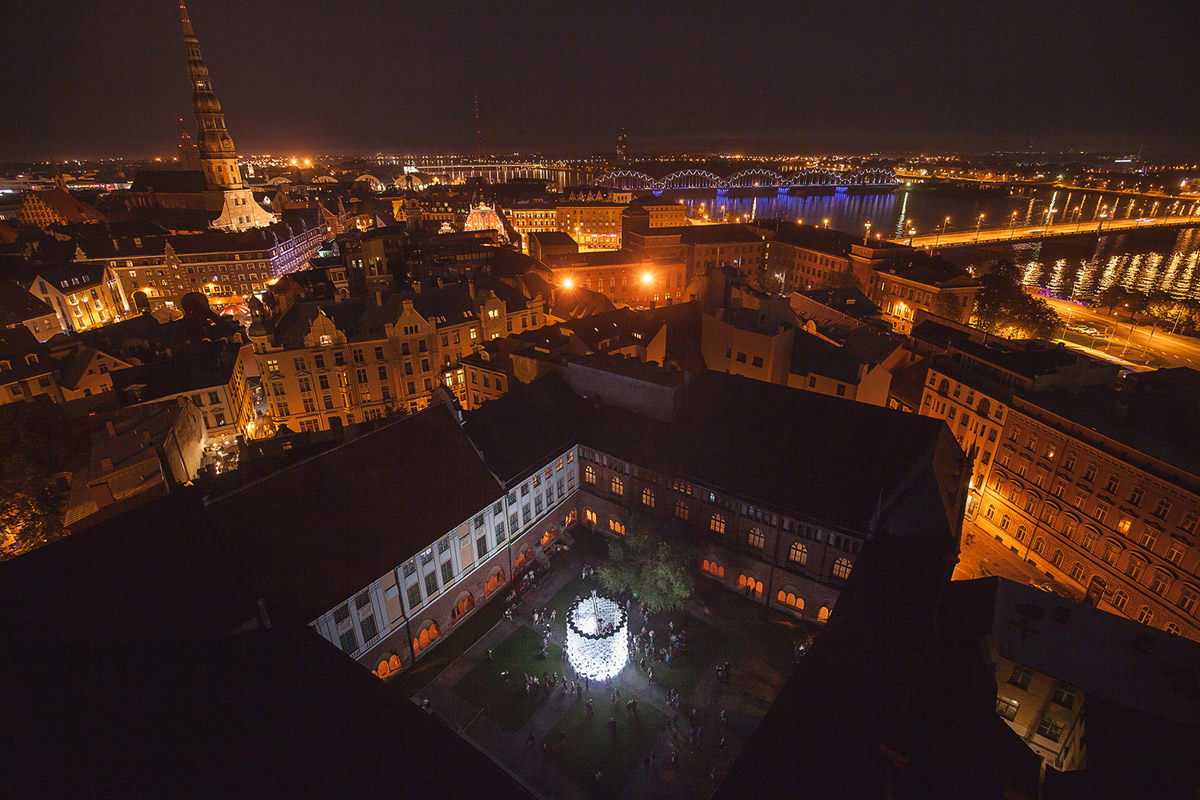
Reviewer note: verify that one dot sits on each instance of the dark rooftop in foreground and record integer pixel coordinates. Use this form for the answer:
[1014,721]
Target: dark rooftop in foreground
[821,457]
[313,534]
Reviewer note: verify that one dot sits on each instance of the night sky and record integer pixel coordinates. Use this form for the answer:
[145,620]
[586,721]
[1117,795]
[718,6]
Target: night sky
[303,77]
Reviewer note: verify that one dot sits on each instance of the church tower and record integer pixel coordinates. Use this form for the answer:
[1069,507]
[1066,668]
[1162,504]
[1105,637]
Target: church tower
[218,158]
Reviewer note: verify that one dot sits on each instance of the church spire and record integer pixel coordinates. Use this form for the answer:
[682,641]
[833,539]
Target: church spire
[218,157]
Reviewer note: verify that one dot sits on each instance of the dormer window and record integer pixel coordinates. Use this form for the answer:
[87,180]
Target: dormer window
[31,359]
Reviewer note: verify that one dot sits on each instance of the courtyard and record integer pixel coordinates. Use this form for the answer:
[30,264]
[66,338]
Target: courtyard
[672,735]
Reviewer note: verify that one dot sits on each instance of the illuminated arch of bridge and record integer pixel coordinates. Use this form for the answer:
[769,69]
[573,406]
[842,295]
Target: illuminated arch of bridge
[747,178]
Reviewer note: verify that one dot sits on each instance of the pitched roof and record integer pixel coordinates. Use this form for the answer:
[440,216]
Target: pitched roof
[170,181]
[315,533]
[18,305]
[820,457]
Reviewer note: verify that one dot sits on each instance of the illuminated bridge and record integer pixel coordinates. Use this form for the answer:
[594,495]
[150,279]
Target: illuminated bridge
[967,238]
[747,179]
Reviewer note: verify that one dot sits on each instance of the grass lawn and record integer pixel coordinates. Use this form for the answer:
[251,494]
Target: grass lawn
[591,746]
[706,647]
[565,596]
[507,704]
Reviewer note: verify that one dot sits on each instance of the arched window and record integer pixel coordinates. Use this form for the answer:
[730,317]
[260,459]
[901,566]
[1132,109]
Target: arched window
[616,526]
[798,553]
[1038,544]
[589,474]
[1172,628]
[790,598]
[1146,615]
[751,585]
[647,498]
[944,387]
[1077,572]
[1135,567]
[494,582]
[618,486]
[463,605]
[713,568]
[681,509]
[991,511]
[427,636]
[841,568]
[1120,599]
[1004,521]
[589,516]
[1020,533]
[823,614]
[717,523]
[1057,558]
[756,538]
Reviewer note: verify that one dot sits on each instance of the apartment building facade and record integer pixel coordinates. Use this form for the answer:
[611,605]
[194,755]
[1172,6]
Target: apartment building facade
[369,357]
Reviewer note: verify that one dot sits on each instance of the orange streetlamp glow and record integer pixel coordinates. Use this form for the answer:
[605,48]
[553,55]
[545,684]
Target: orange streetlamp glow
[647,278]
[568,283]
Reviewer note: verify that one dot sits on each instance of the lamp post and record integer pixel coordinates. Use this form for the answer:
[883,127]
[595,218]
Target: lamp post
[937,238]
[826,221]
[978,226]
[1012,225]
[867,237]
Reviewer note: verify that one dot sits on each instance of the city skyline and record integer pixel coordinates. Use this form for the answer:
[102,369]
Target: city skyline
[318,79]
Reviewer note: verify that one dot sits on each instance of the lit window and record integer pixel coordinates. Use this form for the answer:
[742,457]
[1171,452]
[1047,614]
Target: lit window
[589,474]
[798,553]
[756,538]
[841,568]
[717,523]
[1007,707]
[618,486]
[647,498]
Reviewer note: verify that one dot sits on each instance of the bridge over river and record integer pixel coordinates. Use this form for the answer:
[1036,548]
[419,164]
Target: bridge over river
[971,237]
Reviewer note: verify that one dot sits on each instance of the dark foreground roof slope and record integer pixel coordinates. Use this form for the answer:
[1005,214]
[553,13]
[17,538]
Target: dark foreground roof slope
[279,713]
[155,573]
[860,717]
[825,458]
[313,534]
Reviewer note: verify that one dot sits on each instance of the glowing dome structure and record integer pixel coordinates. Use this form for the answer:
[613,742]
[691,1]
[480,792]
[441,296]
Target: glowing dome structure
[597,637]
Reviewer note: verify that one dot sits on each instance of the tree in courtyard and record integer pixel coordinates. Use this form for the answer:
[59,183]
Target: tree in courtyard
[652,565]
[31,453]
[841,279]
[1004,307]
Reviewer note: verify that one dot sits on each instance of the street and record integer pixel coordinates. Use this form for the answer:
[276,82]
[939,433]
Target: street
[1172,350]
[981,555]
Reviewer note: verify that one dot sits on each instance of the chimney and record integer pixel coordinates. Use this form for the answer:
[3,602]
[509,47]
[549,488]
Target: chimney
[112,430]
[106,464]
[145,437]
[379,297]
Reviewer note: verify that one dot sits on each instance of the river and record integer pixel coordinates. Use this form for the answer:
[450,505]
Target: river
[1073,268]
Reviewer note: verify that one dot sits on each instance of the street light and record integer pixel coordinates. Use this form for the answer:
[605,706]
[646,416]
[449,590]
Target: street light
[941,231]
[978,225]
[826,221]
[867,237]
[1012,225]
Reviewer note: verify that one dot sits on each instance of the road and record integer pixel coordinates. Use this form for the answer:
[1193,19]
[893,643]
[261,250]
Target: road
[1171,350]
[982,555]
[970,236]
